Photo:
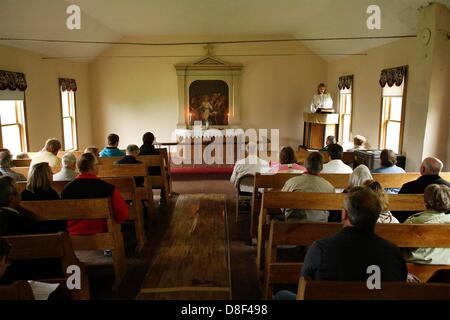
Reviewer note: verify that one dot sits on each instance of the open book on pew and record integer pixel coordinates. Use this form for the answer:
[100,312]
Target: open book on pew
[42,290]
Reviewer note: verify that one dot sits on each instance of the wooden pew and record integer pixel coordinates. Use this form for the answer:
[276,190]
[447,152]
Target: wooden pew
[132,170]
[128,190]
[277,181]
[160,181]
[76,153]
[264,181]
[318,201]
[305,233]
[108,160]
[43,246]
[18,290]
[25,170]
[21,162]
[86,209]
[350,290]
[167,160]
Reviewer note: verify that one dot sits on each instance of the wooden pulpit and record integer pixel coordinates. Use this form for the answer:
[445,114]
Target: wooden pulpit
[317,127]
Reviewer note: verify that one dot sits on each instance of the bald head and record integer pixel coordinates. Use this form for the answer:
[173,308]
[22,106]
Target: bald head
[431,166]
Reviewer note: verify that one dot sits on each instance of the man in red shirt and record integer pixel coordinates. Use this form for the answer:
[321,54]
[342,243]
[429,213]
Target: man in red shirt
[88,186]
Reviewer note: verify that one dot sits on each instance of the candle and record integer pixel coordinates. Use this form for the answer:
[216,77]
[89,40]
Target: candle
[228,115]
[190,115]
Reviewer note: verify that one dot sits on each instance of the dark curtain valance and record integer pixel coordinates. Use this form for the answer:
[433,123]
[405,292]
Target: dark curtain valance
[12,80]
[393,76]
[68,84]
[345,82]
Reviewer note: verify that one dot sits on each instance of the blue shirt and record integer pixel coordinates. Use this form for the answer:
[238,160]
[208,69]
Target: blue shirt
[393,169]
[111,152]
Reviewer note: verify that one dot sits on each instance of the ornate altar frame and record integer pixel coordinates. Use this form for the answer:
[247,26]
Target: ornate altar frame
[209,68]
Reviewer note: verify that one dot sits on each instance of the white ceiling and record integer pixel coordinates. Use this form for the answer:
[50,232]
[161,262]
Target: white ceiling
[112,20]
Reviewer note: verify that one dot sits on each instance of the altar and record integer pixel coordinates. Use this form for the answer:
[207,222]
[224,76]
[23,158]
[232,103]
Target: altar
[317,127]
[209,93]
[216,147]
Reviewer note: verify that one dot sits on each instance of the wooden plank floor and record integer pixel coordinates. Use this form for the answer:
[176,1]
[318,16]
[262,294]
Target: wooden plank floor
[193,259]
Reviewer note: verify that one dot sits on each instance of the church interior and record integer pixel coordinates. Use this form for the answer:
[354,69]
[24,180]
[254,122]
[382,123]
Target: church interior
[153,146]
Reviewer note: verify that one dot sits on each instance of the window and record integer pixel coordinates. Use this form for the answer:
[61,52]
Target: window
[345,107]
[12,120]
[392,112]
[345,114]
[68,118]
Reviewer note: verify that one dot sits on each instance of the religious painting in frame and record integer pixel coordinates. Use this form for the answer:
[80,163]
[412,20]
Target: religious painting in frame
[209,102]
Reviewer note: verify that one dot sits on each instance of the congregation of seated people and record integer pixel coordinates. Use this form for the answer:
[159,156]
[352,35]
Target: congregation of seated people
[366,203]
[347,255]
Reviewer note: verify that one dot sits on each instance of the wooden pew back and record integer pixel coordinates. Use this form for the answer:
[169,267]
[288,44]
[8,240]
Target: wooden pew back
[277,181]
[25,170]
[86,209]
[76,153]
[161,180]
[128,190]
[21,162]
[132,170]
[18,290]
[340,180]
[108,160]
[305,233]
[42,246]
[351,290]
[318,201]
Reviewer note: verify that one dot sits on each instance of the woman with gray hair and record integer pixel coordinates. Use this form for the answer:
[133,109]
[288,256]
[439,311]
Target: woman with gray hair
[437,202]
[359,175]
[6,164]
[68,171]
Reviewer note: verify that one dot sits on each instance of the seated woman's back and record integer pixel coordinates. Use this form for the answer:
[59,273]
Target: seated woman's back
[39,184]
[39,188]
[288,162]
[437,200]
[385,215]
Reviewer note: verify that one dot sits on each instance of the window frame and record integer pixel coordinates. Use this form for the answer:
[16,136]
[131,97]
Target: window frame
[23,127]
[342,114]
[384,120]
[74,120]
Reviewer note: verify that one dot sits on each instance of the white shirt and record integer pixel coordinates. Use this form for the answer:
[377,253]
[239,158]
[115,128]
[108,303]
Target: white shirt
[336,166]
[249,165]
[65,174]
[323,101]
[45,156]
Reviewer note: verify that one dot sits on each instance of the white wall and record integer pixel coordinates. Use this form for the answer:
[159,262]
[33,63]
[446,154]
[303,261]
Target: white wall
[43,106]
[367,91]
[134,95]
[438,53]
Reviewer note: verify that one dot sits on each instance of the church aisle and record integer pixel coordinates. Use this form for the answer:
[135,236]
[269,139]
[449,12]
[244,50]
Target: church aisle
[192,261]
